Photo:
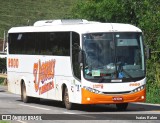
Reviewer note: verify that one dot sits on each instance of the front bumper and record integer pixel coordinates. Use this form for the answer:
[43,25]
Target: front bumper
[93,98]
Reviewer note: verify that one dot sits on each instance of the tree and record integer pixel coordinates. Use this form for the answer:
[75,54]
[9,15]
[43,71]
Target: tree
[142,13]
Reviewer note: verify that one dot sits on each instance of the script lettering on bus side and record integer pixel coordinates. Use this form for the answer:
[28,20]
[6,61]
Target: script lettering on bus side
[43,75]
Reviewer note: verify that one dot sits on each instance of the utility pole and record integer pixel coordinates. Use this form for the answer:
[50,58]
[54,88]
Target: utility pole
[4,39]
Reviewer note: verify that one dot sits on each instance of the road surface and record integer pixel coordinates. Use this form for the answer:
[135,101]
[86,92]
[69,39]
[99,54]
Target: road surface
[11,106]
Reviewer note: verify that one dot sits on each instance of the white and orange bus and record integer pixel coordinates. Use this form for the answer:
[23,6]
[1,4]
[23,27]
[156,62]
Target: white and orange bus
[77,62]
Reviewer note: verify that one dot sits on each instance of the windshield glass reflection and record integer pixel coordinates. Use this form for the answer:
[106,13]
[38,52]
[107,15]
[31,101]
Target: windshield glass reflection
[113,55]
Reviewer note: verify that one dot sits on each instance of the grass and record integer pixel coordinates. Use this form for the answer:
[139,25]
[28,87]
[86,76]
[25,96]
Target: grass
[153,94]
[1,81]
[26,12]
[5,121]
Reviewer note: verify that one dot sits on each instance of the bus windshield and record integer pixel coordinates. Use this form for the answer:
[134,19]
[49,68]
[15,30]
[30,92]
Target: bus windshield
[118,55]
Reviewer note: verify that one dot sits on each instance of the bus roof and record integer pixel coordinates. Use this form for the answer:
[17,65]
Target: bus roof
[81,27]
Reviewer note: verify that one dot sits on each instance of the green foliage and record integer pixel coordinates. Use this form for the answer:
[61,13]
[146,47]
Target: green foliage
[152,93]
[142,13]
[26,12]
[101,10]
[1,81]
[3,68]
[4,121]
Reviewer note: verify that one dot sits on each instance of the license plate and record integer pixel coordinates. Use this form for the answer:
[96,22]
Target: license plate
[117,98]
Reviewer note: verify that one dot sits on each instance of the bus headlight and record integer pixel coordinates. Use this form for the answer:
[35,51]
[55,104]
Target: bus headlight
[92,90]
[138,89]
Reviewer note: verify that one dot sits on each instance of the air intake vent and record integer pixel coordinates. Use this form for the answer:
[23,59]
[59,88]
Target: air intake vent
[124,92]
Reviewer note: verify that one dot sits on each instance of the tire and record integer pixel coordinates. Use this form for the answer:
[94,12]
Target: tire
[35,99]
[122,106]
[24,97]
[67,104]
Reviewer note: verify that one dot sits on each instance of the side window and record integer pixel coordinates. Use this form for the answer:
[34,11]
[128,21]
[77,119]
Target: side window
[52,43]
[30,43]
[21,43]
[75,52]
[12,39]
[40,43]
[16,43]
[58,43]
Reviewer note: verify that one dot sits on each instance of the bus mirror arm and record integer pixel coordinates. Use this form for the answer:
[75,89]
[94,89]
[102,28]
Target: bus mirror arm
[76,46]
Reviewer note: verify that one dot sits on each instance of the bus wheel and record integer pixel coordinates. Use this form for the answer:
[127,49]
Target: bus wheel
[68,104]
[122,106]
[24,96]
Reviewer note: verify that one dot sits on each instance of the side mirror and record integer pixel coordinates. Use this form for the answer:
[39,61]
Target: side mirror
[148,52]
[76,46]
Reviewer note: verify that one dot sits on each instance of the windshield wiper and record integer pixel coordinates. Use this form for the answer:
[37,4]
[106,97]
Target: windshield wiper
[127,73]
[122,70]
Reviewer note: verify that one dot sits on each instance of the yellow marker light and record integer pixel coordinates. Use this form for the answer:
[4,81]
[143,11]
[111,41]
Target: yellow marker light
[142,97]
[88,99]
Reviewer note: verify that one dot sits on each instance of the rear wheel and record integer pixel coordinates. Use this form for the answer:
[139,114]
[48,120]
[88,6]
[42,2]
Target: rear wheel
[122,106]
[24,96]
[68,104]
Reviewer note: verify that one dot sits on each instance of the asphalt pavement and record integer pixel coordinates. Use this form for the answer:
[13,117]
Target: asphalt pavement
[14,110]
